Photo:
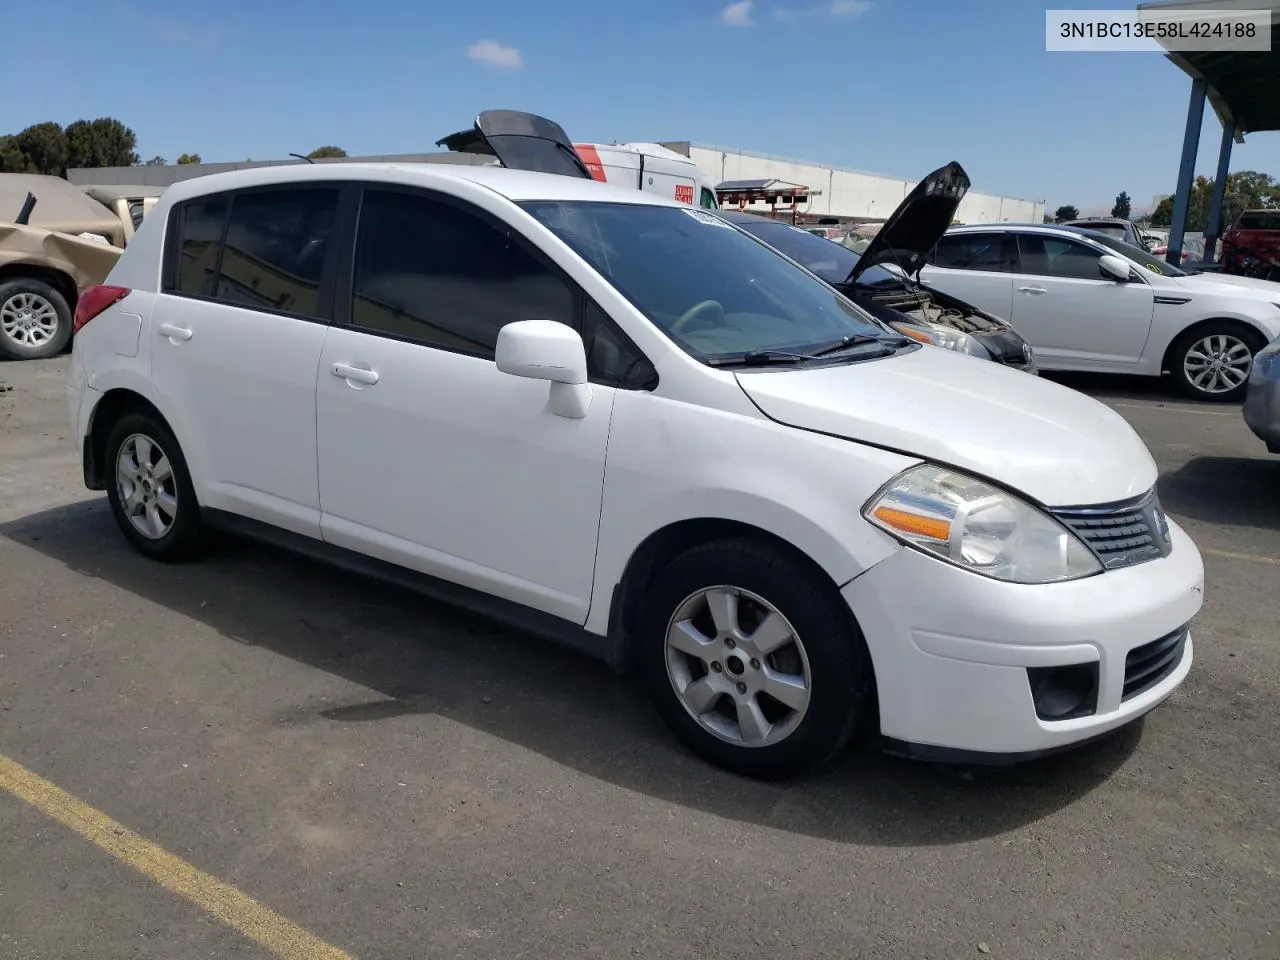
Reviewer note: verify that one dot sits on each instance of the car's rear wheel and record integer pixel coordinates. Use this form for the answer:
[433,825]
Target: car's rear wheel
[35,320]
[149,488]
[1212,362]
[753,659]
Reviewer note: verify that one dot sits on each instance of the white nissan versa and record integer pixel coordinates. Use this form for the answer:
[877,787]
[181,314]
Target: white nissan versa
[626,424]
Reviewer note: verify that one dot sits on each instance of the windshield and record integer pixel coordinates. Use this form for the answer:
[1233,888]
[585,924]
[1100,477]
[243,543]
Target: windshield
[830,260]
[1137,255]
[709,286]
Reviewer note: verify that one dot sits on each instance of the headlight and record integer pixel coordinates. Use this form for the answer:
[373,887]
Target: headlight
[943,337]
[974,525]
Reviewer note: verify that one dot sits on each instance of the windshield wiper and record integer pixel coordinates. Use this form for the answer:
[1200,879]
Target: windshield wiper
[759,358]
[854,340]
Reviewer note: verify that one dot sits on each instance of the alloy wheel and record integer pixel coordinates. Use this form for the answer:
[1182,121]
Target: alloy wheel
[738,666]
[1218,363]
[146,485]
[28,319]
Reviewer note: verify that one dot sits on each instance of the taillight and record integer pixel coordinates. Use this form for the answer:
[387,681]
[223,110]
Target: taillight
[94,300]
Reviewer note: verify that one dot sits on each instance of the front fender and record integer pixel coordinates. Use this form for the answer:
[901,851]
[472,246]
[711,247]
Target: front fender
[670,462]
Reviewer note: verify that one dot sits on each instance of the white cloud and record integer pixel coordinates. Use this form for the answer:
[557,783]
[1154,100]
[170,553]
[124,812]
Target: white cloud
[738,14]
[495,54]
[849,8]
[840,9]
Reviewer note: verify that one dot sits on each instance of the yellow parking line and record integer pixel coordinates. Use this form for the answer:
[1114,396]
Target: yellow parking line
[239,911]
[1251,557]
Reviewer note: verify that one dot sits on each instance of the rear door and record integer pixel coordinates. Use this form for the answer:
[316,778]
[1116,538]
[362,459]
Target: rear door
[1073,314]
[238,329]
[977,268]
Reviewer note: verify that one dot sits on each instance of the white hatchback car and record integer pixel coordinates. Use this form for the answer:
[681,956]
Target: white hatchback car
[1088,301]
[625,424]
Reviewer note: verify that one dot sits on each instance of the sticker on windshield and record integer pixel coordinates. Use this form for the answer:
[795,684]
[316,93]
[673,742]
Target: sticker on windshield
[707,218]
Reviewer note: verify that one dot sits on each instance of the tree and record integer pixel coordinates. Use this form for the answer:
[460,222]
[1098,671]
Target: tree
[1122,206]
[320,153]
[1048,218]
[1066,212]
[1246,190]
[189,158]
[1162,215]
[105,142]
[44,148]
[11,158]
[156,162]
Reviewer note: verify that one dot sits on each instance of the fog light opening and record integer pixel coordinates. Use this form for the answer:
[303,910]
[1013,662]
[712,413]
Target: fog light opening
[1064,693]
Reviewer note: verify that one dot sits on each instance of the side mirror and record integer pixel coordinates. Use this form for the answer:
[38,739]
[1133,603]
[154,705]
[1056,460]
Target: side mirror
[1117,268]
[547,350]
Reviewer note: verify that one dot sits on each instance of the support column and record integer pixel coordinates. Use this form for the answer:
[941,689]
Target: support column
[1213,229]
[1186,170]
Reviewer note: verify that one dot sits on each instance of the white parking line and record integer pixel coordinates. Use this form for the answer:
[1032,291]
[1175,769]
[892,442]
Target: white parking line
[1174,408]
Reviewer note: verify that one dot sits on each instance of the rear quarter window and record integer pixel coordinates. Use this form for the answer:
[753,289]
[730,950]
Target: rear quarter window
[1260,221]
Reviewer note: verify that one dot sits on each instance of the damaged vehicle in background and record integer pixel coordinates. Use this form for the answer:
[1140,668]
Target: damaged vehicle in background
[884,279]
[56,240]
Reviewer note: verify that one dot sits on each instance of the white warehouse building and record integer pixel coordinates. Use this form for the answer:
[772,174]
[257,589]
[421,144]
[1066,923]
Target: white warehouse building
[845,193]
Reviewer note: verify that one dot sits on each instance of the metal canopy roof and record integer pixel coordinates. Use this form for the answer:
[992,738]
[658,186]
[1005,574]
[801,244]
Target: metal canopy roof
[1244,86]
[766,184]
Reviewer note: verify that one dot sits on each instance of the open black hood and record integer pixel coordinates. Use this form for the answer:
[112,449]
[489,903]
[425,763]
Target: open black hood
[521,141]
[919,222]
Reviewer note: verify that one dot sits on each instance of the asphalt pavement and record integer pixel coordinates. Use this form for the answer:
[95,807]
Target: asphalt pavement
[399,780]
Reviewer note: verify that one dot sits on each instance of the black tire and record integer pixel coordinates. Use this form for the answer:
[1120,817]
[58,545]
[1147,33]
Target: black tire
[840,672]
[186,533]
[1235,333]
[10,293]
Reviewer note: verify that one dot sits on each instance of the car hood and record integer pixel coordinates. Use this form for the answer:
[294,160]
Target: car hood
[915,227]
[1228,283]
[521,141]
[1045,441]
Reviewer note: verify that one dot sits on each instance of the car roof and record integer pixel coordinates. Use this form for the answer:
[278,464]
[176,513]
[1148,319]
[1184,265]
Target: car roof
[515,185]
[1006,225]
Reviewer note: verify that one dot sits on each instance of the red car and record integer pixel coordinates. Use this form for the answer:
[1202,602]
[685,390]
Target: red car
[1251,248]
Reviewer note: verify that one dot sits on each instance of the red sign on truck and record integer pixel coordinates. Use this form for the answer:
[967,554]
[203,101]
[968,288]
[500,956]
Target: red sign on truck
[684,193]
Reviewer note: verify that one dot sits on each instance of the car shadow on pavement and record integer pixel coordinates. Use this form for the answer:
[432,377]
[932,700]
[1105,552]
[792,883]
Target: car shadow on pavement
[425,658]
[1235,491]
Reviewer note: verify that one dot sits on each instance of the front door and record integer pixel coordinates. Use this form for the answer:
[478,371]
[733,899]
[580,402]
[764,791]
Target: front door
[429,456]
[236,336]
[1074,315]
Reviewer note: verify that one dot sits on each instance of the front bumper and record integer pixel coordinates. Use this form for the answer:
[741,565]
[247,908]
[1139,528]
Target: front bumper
[951,648]
[1262,401]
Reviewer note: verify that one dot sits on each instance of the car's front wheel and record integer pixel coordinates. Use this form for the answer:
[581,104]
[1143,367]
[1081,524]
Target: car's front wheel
[149,488]
[1212,362]
[35,320]
[753,659]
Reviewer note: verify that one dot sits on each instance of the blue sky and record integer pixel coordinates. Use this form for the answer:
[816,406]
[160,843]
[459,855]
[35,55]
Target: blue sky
[891,86]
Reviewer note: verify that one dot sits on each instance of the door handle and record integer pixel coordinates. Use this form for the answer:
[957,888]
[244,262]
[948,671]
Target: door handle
[355,374]
[173,333]
[1034,291]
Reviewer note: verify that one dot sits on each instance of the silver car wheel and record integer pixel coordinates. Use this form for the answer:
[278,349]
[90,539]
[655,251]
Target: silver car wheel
[737,666]
[146,486]
[1218,363]
[28,319]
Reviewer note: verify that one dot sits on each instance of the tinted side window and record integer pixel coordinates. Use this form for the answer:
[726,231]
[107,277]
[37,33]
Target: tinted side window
[707,200]
[1054,257]
[611,356]
[432,272]
[973,251]
[275,249]
[200,225]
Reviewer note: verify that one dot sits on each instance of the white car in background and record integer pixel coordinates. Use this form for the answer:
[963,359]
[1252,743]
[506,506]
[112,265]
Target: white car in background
[1088,301]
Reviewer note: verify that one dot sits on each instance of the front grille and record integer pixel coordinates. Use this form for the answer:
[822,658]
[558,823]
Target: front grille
[1147,665]
[1121,534]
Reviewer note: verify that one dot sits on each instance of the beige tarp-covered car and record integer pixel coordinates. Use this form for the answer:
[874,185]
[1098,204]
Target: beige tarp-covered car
[69,241]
